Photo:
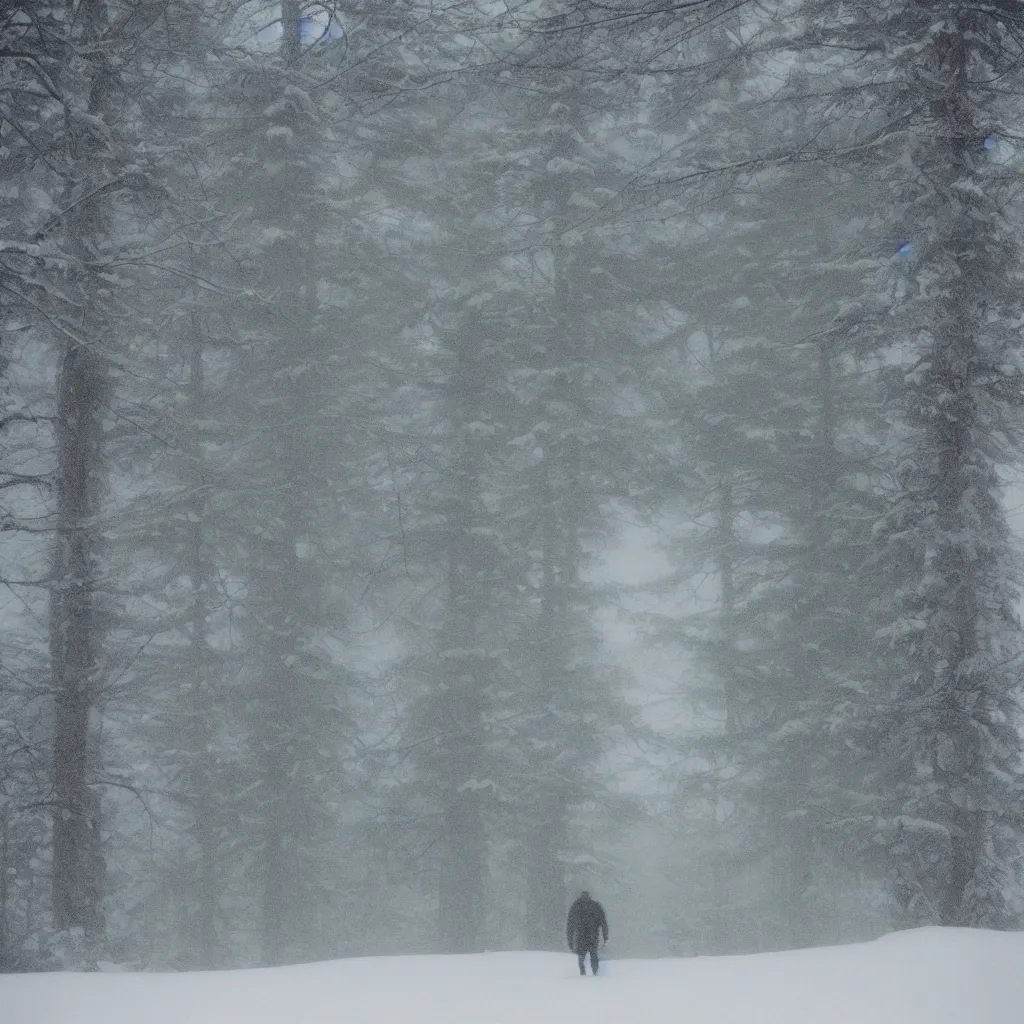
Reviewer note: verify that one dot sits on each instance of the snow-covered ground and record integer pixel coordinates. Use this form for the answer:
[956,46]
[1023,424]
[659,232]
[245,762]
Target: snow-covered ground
[929,976]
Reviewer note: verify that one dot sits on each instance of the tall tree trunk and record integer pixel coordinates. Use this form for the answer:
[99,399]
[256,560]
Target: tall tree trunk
[955,359]
[725,547]
[545,872]
[275,899]
[808,670]
[285,600]
[546,891]
[74,641]
[75,623]
[461,886]
[970,535]
[281,739]
[561,513]
[464,863]
[5,879]
[722,875]
[203,898]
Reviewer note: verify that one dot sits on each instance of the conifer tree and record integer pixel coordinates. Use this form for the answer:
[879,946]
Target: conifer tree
[29,156]
[771,414]
[93,175]
[574,376]
[946,788]
[937,596]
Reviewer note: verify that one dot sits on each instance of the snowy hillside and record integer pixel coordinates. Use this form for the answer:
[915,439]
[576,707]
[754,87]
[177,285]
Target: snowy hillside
[930,976]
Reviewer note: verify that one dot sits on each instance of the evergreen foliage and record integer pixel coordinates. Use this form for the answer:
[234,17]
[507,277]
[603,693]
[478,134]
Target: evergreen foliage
[338,340]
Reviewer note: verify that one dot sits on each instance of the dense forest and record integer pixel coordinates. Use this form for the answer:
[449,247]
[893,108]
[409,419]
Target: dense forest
[458,452]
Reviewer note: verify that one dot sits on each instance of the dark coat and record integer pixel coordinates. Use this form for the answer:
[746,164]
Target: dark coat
[586,919]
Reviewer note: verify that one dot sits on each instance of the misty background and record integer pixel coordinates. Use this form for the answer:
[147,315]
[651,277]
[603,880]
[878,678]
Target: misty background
[454,453]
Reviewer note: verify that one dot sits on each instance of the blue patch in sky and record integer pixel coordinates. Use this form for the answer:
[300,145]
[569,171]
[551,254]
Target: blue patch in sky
[309,30]
[316,30]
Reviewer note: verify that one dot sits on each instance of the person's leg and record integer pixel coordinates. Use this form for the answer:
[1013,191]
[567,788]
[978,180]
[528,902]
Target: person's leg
[593,958]
[580,955]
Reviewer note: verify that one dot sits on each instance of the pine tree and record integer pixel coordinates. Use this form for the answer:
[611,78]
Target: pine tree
[91,163]
[938,594]
[173,544]
[292,696]
[577,438]
[465,669]
[304,358]
[455,530]
[770,412]
[946,788]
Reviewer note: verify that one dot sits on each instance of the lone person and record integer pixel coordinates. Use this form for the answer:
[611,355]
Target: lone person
[586,919]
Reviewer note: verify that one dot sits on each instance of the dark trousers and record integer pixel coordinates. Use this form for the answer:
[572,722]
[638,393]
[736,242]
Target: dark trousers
[582,950]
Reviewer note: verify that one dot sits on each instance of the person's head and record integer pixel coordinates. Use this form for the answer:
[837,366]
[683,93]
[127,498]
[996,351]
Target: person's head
[584,895]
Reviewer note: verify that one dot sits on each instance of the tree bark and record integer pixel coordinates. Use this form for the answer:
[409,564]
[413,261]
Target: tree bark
[74,642]
[75,623]
[545,872]
[546,895]
[464,864]
[201,937]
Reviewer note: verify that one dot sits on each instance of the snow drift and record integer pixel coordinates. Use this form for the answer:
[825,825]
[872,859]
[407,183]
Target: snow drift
[927,976]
